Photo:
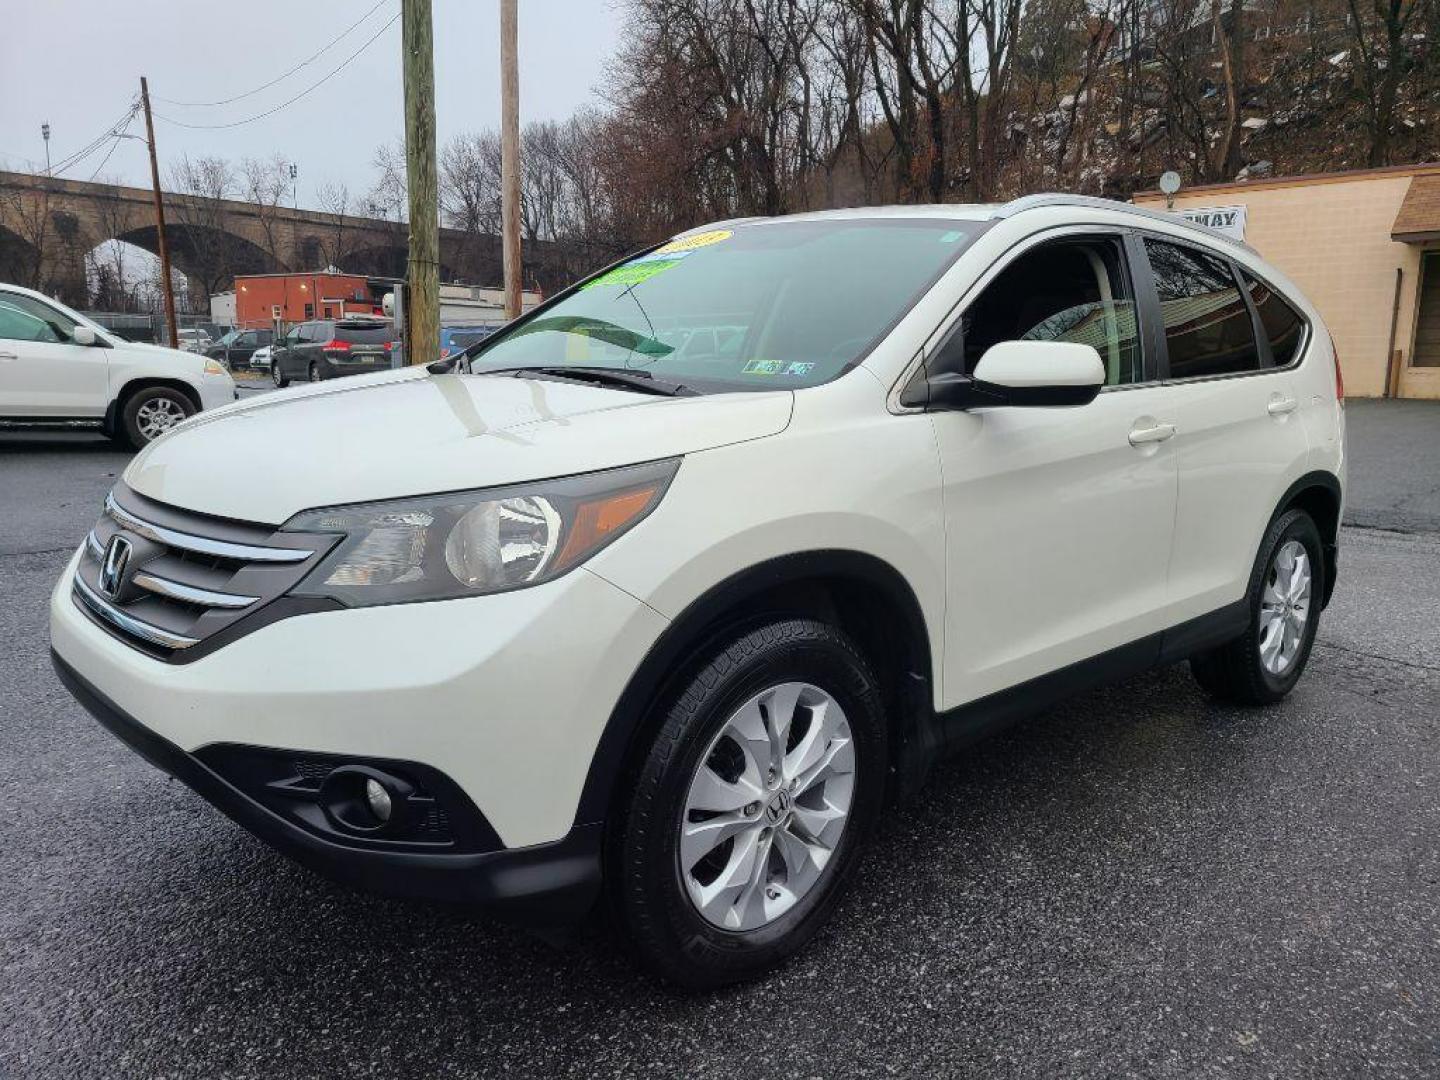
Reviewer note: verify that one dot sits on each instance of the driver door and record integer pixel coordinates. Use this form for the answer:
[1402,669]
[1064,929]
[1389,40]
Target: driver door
[1058,520]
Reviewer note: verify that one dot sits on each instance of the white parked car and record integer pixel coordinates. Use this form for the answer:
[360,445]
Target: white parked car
[260,358]
[599,614]
[195,340]
[58,366]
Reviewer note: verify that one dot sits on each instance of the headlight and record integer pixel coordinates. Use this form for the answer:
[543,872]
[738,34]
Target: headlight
[469,543]
[214,367]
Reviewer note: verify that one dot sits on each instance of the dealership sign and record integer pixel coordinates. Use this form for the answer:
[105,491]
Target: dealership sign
[1229,220]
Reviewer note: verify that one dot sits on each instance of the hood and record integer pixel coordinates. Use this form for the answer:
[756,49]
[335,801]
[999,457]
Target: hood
[404,433]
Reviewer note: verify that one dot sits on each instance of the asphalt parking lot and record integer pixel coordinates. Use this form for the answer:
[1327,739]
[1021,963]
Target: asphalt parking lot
[1139,883]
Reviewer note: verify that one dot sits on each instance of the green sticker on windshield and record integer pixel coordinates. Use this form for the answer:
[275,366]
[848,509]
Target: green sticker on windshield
[951,237]
[632,273]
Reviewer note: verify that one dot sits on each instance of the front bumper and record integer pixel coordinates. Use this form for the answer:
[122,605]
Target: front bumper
[543,885]
[506,695]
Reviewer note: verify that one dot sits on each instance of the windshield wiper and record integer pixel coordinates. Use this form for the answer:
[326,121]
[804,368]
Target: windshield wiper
[641,381]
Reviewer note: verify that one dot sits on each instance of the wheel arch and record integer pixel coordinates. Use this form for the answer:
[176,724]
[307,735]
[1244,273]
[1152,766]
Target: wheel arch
[860,593]
[1318,493]
[136,383]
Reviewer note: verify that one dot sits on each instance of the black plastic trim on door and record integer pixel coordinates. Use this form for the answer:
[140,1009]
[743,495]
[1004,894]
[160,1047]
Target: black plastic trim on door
[1147,302]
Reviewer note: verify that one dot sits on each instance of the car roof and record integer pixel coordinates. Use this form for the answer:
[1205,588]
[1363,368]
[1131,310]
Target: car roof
[986,212]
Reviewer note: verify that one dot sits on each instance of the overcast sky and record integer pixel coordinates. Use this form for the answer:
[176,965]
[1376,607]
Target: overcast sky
[77,64]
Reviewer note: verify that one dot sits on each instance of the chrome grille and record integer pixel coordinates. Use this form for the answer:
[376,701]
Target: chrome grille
[184,577]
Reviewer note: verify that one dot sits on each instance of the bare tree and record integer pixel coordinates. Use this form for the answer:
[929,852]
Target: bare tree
[1386,57]
[264,184]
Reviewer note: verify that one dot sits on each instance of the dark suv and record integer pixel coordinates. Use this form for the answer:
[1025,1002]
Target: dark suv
[238,346]
[331,348]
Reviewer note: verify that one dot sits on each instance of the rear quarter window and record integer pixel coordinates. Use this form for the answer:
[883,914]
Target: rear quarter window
[1282,325]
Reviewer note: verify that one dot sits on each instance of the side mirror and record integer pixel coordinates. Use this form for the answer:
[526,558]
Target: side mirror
[1022,373]
[82,335]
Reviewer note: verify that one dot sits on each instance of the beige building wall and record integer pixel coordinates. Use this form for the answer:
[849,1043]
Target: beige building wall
[1331,236]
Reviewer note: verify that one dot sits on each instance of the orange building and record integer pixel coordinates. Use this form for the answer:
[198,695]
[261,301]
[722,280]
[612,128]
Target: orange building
[260,299]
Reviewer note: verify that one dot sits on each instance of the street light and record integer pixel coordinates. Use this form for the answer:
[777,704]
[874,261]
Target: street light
[294,185]
[45,134]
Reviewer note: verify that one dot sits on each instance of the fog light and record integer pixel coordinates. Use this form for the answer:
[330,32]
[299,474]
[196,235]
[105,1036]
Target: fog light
[379,800]
[359,799]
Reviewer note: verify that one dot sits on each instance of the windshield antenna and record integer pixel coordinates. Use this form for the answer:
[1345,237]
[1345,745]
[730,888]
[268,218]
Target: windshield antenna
[630,291]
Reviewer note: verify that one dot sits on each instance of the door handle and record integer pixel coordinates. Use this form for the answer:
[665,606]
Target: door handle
[1156,433]
[1281,406]
[6,357]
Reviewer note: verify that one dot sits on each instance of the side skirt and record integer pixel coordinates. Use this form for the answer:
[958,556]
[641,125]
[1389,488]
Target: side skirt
[965,725]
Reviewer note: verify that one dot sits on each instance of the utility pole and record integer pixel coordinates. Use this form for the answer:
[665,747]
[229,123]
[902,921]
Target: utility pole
[422,321]
[45,134]
[166,290]
[510,156]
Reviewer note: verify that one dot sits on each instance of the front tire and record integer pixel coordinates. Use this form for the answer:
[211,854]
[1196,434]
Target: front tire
[278,377]
[751,806]
[1263,665]
[152,411]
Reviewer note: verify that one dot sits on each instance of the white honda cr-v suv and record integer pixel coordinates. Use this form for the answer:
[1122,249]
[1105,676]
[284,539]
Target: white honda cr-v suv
[57,366]
[662,592]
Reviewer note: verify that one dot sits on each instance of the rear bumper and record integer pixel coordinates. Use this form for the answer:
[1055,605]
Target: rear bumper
[541,885]
[339,369]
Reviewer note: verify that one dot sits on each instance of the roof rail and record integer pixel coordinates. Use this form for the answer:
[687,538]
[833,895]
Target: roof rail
[1034,202]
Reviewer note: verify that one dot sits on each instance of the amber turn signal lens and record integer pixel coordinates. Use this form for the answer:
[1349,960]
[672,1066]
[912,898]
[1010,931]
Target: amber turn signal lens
[597,521]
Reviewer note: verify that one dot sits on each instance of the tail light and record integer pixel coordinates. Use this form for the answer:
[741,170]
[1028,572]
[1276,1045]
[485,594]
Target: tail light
[336,346]
[1339,377]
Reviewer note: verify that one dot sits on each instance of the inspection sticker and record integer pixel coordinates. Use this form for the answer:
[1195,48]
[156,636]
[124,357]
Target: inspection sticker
[699,240]
[762,367]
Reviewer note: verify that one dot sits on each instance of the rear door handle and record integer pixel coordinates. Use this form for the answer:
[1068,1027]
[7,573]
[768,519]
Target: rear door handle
[6,357]
[1154,434]
[1281,406]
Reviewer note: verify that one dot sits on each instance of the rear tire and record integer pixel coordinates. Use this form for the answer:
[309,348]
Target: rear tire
[151,411]
[770,867]
[1264,664]
[315,375]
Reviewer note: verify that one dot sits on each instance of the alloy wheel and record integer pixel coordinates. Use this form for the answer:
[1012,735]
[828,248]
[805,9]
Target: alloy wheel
[156,416]
[767,806]
[1285,607]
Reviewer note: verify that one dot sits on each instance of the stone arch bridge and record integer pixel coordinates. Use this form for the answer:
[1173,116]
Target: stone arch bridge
[48,227]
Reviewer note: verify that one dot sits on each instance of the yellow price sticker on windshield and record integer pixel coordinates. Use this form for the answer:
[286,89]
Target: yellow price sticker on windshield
[699,240]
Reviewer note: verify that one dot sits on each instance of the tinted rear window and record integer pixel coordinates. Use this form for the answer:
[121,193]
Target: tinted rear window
[1207,324]
[364,334]
[1283,326]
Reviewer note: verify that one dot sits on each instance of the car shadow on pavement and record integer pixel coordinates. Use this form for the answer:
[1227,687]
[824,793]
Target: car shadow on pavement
[1022,876]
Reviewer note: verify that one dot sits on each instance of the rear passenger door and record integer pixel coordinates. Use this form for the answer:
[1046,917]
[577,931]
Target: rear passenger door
[1240,437]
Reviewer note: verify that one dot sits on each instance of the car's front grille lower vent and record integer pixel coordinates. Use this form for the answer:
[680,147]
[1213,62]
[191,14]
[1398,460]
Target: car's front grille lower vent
[167,580]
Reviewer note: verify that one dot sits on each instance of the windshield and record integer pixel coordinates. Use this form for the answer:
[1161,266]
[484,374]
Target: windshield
[774,305]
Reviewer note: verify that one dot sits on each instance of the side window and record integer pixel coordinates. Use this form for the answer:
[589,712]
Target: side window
[1067,290]
[293,337]
[1282,325]
[24,319]
[1207,325]
[246,341]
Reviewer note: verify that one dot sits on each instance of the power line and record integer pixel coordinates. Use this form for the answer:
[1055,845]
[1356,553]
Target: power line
[95,144]
[285,104]
[279,78]
[119,135]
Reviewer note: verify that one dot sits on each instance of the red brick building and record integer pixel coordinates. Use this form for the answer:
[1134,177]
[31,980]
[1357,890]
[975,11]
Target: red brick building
[305,296]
